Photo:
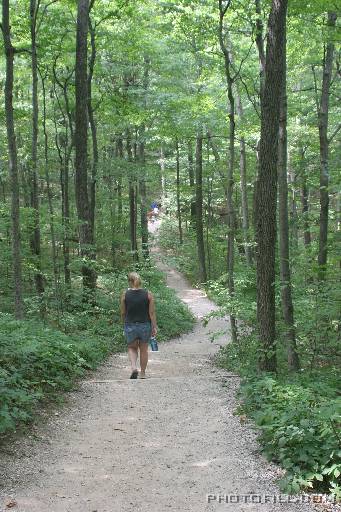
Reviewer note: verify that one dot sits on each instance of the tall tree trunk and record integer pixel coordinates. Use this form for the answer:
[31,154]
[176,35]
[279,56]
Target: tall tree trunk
[324,149]
[66,214]
[285,273]
[35,237]
[191,181]
[231,216]
[141,152]
[178,204]
[81,144]
[198,208]
[93,127]
[143,195]
[13,163]
[208,225]
[48,186]
[267,184]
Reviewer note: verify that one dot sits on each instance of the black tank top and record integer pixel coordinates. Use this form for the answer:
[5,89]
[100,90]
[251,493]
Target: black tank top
[137,306]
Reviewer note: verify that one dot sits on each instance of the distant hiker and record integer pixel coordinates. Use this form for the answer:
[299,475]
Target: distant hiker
[155,208]
[139,317]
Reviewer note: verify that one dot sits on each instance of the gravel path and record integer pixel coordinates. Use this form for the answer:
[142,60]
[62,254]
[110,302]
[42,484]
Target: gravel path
[151,445]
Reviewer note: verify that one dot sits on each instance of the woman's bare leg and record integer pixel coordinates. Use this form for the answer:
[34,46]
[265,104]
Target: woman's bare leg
[132,352]
[143,357]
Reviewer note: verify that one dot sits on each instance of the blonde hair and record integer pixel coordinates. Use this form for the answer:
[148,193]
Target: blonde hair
[134,279]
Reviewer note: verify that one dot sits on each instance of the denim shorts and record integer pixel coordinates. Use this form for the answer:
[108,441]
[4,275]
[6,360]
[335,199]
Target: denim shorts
[138,330]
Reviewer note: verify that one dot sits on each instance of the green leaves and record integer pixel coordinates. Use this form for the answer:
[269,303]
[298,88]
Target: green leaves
[299,428]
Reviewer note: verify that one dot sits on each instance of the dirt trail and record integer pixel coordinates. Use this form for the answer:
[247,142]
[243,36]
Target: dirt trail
[151,445]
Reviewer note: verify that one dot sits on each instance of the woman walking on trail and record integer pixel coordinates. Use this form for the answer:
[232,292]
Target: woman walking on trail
[139,317]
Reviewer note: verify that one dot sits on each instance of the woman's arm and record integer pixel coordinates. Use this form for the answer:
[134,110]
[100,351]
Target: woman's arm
[152,313]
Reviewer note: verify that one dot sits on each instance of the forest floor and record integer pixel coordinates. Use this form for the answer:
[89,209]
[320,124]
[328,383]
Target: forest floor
[163,443]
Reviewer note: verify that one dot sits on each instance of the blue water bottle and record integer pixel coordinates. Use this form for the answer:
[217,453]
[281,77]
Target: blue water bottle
[153,344]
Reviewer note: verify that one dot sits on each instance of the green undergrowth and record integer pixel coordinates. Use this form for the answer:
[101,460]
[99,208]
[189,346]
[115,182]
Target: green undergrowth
[299,423]
[39,360]
[298,416]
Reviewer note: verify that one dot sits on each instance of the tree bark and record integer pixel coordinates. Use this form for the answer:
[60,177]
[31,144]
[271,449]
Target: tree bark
[324,150]
[81,144]
[267,184]
[178,204]
[198,208]
[13,163]
[285,272]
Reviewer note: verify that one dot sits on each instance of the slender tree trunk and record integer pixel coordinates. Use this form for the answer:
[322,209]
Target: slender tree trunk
[208,225]
[178,204]
[198,209]
[119,181]
[324,150]
[66,215]
[231,216]
[267,184]
[305,202]
[142,181]
[81,143]
[64,143]
[143,195]
[191,182]
[162,170]
[305,212]
[132,201]
[35,237]
[13,163]
[64,153]
[243,188]
[93,128]
[48,186]
[285,273]
[293,207]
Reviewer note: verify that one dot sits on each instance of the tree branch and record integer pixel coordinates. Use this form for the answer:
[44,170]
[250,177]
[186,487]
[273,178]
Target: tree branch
[334,133]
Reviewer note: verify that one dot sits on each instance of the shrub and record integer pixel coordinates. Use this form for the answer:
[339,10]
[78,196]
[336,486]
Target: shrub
[300,429]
